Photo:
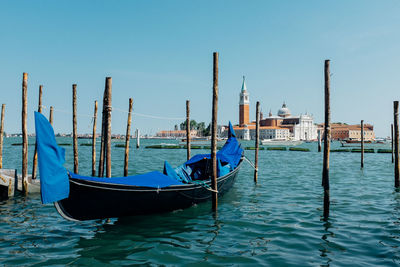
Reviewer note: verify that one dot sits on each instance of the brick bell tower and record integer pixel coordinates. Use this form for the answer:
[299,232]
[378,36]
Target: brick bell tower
[244,105]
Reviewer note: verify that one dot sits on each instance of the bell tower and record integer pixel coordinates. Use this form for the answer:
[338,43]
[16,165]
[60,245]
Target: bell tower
[244,105]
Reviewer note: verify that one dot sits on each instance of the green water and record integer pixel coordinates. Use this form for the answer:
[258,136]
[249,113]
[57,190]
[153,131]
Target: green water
[276,222]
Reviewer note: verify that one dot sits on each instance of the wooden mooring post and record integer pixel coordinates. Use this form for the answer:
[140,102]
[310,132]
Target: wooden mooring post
[319,140]
[108,125]
[3,107]
[257,141]
[214,134]
[103,136]
[391,131]
[35,153]
[396,143]
[74,131]
[127,137]
[51,115]
[94,140]
[137,138]
[24,134]
[362,143]
[327,141]
[187,129]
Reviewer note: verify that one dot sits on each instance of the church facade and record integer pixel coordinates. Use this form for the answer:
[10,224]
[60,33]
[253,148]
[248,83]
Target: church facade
[283,125]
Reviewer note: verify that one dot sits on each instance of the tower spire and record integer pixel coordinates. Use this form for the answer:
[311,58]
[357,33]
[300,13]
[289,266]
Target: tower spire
[244,105]
[244,88]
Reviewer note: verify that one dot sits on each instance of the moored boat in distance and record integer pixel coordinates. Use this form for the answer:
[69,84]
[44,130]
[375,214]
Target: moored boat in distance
[353,142]
[356,141]
[201,141]
[280,142]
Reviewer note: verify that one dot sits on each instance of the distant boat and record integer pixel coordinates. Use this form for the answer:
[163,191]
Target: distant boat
[355,141]
[382,140]
[280,142]
[199,140]
[205,138]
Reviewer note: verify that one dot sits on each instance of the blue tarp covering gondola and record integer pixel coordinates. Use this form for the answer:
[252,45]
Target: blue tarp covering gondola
[54,178]
[153,179]
[54,183]
[230,153]
[228,158]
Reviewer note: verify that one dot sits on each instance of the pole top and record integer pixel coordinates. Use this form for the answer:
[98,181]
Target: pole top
[25,76]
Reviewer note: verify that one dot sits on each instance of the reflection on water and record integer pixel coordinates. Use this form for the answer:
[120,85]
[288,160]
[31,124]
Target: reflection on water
[325,251]
[276,222]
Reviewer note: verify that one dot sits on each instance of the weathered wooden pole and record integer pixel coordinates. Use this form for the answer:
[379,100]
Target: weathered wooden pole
[362,143]
[51,115]
[3,107]
[74,131]
[35,153]
[127,137]
[137,138]
[319,140]
[214,134]
[94,140]
[396,143]
[108,136]
[188,129]
[327,141]
[257,140]
[24,134]
[103,136]
[391,128]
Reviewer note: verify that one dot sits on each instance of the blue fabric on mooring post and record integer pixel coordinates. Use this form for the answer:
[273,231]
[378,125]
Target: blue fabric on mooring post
[230,153]
[54,182]
[231,132]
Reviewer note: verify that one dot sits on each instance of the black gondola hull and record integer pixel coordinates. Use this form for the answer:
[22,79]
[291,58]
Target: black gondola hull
[93,200]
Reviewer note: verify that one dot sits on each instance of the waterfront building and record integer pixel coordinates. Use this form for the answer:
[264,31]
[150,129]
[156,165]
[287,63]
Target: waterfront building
[282,126]
[176,134]
[266,132]
[244,104]
[343,131]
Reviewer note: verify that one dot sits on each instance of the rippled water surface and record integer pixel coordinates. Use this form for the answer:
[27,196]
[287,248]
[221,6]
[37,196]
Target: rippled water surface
[276,222]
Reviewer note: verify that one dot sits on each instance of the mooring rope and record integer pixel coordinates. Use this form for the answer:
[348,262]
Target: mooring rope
[68,112]
[150,116]
[117,109]
[204,185]
[251,163]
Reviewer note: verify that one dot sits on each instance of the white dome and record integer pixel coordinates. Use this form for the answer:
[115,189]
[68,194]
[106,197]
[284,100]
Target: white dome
[284,111]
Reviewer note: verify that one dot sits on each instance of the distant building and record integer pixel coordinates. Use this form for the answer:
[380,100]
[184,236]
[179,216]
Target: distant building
[281,126]
[266,132]
[244,105]
[341,131]
[176,134]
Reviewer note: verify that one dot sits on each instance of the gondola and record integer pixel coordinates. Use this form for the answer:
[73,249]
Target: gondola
[79,197]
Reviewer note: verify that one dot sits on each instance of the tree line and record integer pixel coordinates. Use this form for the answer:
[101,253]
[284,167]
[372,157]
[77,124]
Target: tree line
[200,127]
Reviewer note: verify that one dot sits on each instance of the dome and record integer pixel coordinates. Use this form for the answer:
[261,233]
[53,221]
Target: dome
[284,111]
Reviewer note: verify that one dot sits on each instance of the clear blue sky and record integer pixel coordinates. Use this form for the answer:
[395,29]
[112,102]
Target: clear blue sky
[160,54]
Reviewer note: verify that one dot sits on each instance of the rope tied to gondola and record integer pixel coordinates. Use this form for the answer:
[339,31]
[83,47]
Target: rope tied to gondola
[251,163]
[204,185]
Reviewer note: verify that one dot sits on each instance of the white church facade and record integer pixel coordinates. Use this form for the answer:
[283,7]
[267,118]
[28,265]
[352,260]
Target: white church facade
[281,126]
